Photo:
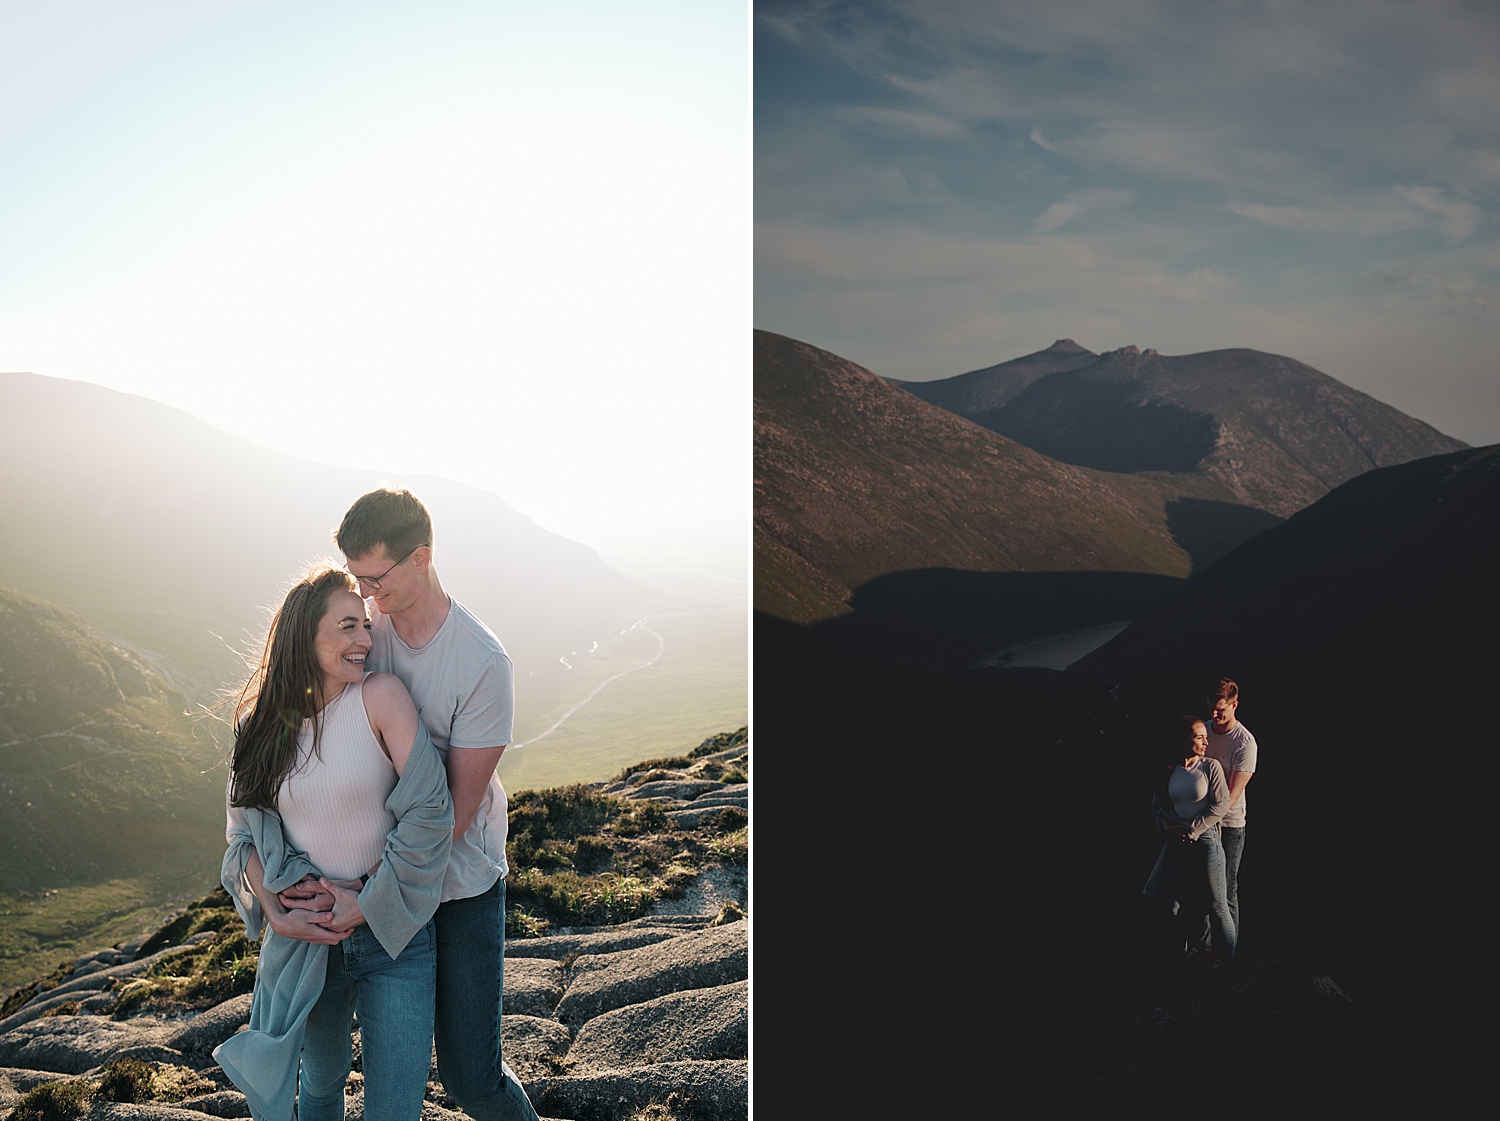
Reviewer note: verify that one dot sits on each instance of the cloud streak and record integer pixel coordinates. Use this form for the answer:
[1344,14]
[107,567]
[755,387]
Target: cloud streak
[1078,203]
[1457,219]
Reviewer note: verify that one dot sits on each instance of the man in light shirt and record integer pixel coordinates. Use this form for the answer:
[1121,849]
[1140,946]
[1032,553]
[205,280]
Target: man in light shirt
[461,679]
[1231,743]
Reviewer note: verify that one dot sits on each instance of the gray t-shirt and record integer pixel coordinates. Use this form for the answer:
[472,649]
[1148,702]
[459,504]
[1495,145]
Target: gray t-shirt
[464,689]
[1235,751]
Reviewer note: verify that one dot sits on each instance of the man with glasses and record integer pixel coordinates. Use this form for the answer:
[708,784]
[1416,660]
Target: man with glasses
[461,680]
[1231,743]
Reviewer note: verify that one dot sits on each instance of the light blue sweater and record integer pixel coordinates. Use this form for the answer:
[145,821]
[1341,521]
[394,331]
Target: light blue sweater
[397,901]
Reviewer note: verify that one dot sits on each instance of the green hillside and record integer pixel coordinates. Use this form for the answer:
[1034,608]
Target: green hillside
[113,793]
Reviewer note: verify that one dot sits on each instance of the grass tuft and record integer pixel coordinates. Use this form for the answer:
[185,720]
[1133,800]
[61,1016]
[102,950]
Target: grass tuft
[199,976]
[25,993]
[128,1080]
[54,1101]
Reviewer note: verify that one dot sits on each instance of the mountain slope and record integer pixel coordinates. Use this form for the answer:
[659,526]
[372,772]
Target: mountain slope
[856,479]
[103,771]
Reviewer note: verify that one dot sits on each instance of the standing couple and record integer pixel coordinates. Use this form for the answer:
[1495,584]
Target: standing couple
[1199,806]
[367,831]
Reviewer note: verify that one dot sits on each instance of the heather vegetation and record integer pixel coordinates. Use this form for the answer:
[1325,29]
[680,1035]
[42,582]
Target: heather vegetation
[127,1080]
[579,856]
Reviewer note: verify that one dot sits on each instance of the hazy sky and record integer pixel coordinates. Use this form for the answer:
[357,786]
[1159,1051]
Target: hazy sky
[510,239]
[945,184]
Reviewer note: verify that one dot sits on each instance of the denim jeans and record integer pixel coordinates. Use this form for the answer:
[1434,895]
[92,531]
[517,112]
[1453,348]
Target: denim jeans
[1233,840]
[394,1000]
[470,981]
[1234,848]
[1208,852]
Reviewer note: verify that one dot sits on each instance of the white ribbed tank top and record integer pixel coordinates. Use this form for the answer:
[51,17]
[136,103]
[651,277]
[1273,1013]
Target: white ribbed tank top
[333,807]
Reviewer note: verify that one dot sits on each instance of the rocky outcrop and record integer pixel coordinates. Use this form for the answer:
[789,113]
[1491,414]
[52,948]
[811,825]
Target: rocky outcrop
[601,1022]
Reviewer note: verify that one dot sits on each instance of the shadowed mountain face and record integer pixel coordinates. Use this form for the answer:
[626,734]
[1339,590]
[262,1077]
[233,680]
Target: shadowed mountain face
[1390,570]
[156,526]
[1278,434]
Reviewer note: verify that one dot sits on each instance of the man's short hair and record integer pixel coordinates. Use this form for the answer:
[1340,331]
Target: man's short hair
[1226,691]
[393,518]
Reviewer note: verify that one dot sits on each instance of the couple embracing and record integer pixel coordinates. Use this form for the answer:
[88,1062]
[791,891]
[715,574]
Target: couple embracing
[1199,806]
[367,836]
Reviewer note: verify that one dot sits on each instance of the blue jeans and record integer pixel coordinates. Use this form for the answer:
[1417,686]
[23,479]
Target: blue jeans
[1233,840]
[394,1000]
[1208,852]
[470,981]
[1234,848]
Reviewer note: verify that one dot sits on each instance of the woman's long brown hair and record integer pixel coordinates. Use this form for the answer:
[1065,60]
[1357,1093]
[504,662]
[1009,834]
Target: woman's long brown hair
[284,689]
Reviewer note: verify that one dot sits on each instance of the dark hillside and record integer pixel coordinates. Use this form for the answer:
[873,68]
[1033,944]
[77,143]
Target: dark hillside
[1386,571]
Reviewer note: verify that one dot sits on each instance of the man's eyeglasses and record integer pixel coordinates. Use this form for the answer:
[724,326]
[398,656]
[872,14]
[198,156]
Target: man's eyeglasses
[373,582]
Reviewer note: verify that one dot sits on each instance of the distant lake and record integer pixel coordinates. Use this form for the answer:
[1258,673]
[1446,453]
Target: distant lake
[1057,652]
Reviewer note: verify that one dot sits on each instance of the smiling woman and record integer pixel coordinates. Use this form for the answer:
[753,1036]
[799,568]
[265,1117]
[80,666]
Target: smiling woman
[342,642]
[301,669]
[340,825]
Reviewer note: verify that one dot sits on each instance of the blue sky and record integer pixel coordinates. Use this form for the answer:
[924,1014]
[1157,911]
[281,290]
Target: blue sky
[511,238]
[945,184]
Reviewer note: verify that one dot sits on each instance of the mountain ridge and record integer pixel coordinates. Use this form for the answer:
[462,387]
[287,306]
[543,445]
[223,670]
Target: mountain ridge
[1277,433]
[993,386]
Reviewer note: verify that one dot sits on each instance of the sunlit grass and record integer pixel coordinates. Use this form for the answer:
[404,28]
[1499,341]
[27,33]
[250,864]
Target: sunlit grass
[699,685]
[40,929]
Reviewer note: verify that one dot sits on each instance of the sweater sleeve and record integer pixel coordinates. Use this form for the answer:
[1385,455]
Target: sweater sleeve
[258,831]
[404,892]
[1162,810]
[1218,800]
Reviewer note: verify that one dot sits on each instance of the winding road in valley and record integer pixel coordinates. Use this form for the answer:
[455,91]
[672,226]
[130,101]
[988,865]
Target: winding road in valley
[661,647]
